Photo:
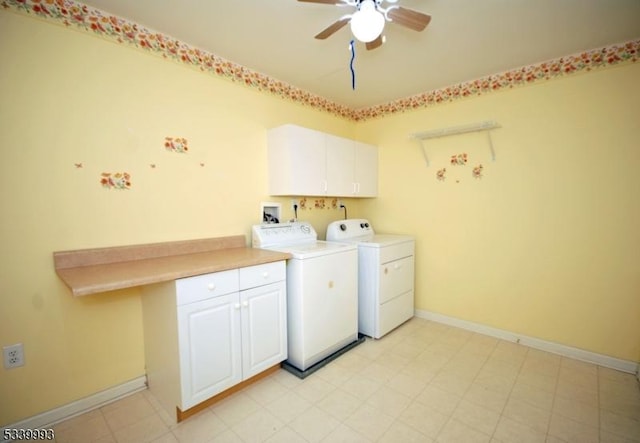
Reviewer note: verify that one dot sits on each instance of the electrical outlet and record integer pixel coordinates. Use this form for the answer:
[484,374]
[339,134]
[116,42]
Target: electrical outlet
[13,356]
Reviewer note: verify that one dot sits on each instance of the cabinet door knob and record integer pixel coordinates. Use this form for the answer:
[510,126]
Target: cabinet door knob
[265,274]
[211,286]
[237,306]
[397,266]
[245,304]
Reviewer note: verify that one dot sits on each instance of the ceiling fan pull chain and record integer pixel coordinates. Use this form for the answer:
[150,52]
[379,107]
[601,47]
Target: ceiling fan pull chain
[353,56]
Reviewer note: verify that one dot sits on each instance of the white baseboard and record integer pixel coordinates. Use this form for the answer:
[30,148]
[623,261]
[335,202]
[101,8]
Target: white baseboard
[49,418]
[555,348]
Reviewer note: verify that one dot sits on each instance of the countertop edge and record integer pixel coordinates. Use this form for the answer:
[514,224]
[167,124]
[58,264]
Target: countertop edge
[106,277]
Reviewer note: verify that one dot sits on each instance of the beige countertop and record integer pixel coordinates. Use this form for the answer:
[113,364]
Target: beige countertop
[91,271]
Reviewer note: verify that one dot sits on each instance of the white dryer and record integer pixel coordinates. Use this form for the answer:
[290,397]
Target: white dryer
[385,275]
[322,291]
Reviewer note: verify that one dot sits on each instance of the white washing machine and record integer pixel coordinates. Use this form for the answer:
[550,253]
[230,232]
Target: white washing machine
[385,275]
[322,291]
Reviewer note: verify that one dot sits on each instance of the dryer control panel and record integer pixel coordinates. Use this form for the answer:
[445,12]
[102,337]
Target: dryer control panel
[350,229]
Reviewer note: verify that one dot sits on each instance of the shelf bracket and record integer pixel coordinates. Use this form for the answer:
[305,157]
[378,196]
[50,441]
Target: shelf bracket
[456,130]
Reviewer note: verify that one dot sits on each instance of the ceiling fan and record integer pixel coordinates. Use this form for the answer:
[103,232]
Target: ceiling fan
[367,22]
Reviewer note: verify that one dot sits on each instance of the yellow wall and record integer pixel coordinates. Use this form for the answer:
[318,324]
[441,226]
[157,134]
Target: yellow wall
[545,244]
[67,98]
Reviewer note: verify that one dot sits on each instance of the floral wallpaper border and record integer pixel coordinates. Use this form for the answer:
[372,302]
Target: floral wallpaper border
[72,13]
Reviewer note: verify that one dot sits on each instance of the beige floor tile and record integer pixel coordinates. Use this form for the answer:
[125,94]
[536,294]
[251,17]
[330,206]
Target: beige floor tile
[496,381]
[377,372]
[84,428]
[258,426]
[485,397]
[452,382]
[314,388]
[345,434]
[227,437]
[572,431]
[265,391]
[454,431]
[628,427]
[510,431]
[423,382]
[288,407]
[527,414]
[353,359]
[409,348]
[476,416]
[438,399]
[538,380]
[145,430]
[575,410]
[335,374]
[361,387]
[424,419]
[625,404]
[393,361]
[286,435]
[388,401]
[235,408]
[532,395]
[127,411]
[577,392]
[339,404]
[166,438]
[369,422]
[200,428]
[407,384]
[400,432]
[286,379]
[314,424]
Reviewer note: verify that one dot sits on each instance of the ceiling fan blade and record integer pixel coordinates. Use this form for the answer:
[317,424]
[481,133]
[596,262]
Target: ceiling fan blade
[375,43]
[409,18]
[324,2]
[333,28]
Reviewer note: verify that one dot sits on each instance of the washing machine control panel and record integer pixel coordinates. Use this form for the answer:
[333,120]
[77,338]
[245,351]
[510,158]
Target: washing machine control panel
[275,234]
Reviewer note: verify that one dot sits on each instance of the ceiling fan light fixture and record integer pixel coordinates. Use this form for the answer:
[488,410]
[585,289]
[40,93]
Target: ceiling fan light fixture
[367,23]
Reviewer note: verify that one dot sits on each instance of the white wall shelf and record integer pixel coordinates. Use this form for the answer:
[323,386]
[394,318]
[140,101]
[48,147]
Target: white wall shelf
[456,130]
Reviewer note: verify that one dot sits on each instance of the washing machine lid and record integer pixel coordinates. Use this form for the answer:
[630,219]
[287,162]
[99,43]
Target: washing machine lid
[313,249]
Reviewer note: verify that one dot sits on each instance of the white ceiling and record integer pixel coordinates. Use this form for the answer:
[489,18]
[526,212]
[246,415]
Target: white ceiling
[466,40]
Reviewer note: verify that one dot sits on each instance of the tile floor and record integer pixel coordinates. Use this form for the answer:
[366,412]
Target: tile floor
[424,382]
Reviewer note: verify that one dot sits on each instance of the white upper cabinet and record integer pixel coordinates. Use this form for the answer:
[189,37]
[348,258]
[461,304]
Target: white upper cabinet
[305,162]
[297,163]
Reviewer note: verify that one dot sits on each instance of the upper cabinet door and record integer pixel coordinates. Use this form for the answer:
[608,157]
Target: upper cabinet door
[366,169]
[297,161]
[340,166]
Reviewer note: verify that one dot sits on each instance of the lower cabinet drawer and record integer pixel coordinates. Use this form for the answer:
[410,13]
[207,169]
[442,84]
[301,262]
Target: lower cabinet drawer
[201,287]
[259,275]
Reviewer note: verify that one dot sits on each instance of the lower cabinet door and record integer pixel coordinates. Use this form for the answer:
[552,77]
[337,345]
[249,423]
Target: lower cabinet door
[264,327]
[209,335]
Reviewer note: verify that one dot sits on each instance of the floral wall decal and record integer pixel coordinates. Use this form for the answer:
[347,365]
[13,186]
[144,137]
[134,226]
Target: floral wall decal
[177,144]
[441,174]
[477,171]
[459,160]
[115,180]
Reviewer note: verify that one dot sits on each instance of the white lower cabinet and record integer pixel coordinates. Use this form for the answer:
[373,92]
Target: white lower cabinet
[207,333]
